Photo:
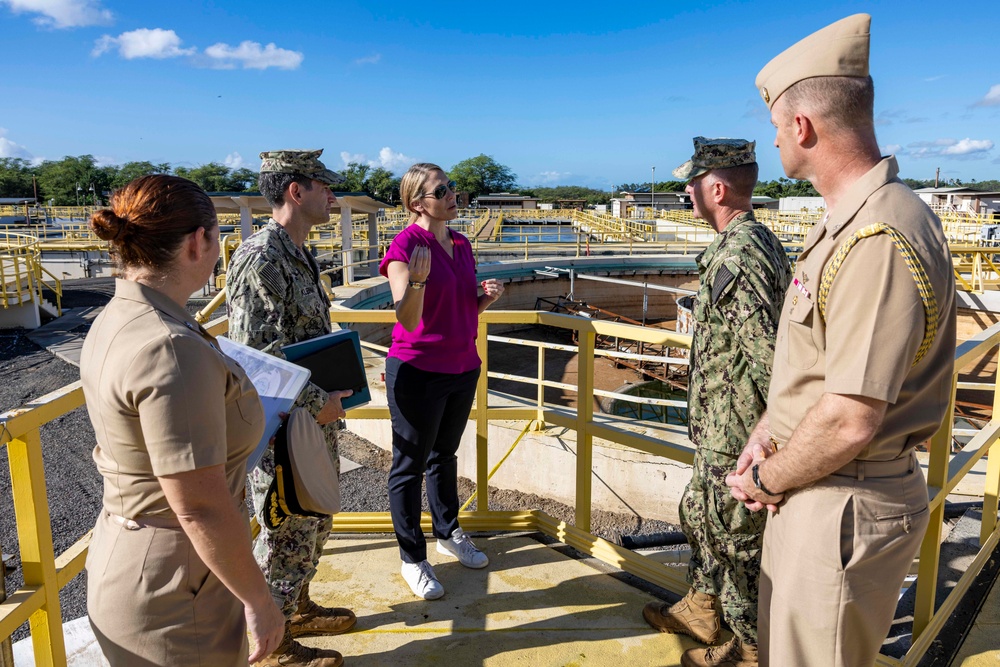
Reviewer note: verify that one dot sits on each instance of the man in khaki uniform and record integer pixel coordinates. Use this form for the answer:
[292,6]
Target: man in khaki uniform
[862,370]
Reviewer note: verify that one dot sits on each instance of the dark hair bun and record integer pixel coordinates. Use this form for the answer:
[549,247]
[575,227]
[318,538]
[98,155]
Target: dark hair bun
[107,225]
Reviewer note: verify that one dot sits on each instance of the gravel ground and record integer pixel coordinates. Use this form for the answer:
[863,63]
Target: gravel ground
[74,488]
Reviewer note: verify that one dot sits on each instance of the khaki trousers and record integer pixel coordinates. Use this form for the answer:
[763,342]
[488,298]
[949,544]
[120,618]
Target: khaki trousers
[834,558]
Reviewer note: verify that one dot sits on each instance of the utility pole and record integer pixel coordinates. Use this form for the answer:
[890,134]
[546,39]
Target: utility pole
[937,176]
[652,194]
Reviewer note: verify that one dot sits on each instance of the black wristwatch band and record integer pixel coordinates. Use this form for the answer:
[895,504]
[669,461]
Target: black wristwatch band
[416,284]
[755,471]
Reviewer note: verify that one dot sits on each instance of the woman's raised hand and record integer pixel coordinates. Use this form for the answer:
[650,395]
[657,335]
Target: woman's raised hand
[420,264]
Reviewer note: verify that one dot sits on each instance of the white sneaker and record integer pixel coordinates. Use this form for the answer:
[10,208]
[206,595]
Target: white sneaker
[421,579]
[461,547]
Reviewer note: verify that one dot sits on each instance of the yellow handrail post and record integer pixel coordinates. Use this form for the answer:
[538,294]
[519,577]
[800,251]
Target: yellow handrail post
[584,437]
[482,424]
[34,535]
[930,548]
[202,316]
[991,491]
[541,390]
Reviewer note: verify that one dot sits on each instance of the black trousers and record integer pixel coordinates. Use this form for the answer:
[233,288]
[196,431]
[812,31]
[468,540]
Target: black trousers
[429,414]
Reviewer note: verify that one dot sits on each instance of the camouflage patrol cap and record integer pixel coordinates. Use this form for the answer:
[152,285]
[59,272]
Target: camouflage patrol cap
[712,154]
[302,163]
[839,49]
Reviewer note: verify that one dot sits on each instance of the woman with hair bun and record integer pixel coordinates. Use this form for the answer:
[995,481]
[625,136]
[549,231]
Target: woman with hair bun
[171,577]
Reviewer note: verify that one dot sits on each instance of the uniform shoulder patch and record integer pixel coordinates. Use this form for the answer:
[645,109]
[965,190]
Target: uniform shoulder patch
[271,277]
[724,277]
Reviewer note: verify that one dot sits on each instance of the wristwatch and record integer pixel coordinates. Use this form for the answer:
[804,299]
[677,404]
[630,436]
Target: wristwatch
[755,472]
[416,284]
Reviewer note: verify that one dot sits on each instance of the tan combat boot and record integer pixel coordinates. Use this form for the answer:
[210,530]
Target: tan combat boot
[733,653]
[290,653]
[694,615]
[312,619]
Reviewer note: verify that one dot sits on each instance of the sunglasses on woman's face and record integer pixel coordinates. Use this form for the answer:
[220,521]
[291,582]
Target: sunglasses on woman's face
[440,191]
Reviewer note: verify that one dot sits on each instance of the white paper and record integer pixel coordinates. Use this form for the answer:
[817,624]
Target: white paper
[278,382]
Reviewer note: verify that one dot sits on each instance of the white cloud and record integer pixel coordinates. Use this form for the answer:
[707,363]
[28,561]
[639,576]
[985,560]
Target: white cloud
[394,160]
[891,149]
[251,55]
[967,146]
[551,177]
[353,157]
[369,60]
[992,98]
[143,43]
[9,148]
[62,13]
[952,148]
[234,160]
[389,159]
[931,79]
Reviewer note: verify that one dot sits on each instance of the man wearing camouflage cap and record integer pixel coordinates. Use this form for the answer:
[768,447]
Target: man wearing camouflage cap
[862,369]
[743,276]
[275,298]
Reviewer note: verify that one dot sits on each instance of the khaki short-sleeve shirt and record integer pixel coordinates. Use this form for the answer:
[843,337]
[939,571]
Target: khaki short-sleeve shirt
[866,344]
[163,400]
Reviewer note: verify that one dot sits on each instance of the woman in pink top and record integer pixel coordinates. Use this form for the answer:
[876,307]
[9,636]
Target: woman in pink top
[431,371]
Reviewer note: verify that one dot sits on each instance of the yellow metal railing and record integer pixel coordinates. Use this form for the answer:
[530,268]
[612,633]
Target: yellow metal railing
[22,275]
[45,573]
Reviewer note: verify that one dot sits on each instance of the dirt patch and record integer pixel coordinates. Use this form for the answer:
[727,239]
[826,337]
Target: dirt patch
[603,524]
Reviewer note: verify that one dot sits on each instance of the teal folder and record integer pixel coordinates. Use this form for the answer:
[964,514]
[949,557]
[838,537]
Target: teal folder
[335,364]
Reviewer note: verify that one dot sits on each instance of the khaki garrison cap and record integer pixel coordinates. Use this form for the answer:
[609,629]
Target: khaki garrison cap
[302,163]
[839,49]
[712,154]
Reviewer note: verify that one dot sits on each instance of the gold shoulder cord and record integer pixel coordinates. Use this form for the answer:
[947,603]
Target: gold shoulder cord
[912,262]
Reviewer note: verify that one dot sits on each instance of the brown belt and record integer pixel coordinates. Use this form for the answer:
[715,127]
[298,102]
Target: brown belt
[894,468]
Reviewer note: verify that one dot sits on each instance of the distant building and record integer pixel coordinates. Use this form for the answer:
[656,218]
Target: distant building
[801,204]
[961,199]
[505,201]
[637,204]
[578,204]
[759,201]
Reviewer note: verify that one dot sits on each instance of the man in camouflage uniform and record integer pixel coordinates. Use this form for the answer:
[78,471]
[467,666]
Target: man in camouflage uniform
[743,276]
[275,299]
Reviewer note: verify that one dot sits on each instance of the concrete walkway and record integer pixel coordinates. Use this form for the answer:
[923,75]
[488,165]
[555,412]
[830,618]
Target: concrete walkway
[981,647]
[533,606]
[63,336]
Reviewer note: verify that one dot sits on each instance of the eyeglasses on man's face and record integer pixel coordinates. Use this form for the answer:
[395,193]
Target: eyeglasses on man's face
[442,190]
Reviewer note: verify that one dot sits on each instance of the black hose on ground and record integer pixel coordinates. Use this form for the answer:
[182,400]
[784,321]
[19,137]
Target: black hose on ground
[650,540]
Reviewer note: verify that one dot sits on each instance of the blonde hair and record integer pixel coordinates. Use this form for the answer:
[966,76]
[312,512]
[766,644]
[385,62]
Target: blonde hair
[411,186]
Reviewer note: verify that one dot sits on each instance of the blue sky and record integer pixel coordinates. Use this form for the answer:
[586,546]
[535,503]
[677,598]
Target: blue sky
[562,92]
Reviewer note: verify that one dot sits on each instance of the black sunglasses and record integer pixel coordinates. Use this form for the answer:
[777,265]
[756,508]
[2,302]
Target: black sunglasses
[440,191]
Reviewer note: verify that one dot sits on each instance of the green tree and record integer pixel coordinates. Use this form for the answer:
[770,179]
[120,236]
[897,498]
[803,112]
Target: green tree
[482,175]
[215,177]
[354,175]
[15,178]
[130,171]
[379,184]
[552,195]
[72,179]
[785,187]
